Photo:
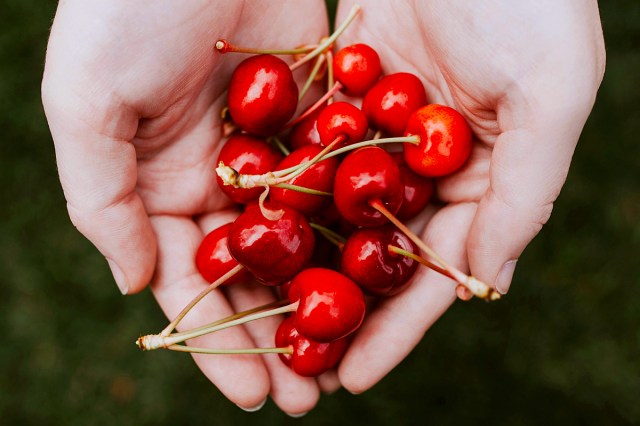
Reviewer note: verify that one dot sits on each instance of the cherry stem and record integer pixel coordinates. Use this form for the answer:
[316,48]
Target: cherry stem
[303,189]
[377,135]
[278,144]
[306,165]
[419,259]
[191,349]
[477,287]
[312,77]
[270,214]
[329,40]
[224,46]
[232,317]
[336,87]
[330,81]
[329,234]
[231,177]
[157,341]
[173,324]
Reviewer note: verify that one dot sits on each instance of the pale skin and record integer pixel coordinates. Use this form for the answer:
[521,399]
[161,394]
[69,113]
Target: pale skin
[132,92]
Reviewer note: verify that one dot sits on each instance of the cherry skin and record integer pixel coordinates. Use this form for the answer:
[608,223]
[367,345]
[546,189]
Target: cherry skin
[357,67]
[309,358]
[249,155]
[306,131]
[366,259]
[213,259]
[365,175]
[418,190]
[263,95]
[342,119]
[319,177]
[389,104]
[331,306]
[445,141]
[272,250]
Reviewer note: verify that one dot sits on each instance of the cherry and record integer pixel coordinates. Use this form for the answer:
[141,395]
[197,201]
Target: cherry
[213,259]
[308,357]
[306,131]
[391,101]
[445,141]
[330,305]
[272,250]
[367,260]
[418,190]
[250,155]
[317,177]
[263,95]
[357,67]
[341,119]
[364,175]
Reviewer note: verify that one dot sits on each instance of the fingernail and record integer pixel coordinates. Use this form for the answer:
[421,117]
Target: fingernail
[253,409]
[297,415]
[118,275]
[503,280]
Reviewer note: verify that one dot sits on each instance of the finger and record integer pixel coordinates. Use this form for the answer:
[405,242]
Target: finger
[97,167]
[329,382]
[294,394]
[241,378]
[529,165]
[391,331]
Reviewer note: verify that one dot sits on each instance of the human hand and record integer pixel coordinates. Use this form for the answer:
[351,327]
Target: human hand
[132,92]
[525,77]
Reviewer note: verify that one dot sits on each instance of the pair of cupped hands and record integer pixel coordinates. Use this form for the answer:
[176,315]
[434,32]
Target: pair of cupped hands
[133,90]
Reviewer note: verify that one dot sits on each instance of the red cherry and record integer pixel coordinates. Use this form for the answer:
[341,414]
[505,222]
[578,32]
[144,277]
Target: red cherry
[366,259]
[445,141]
[418,190]
[331,306]
[365,175]
[309,358]
[357,67]
[263,95]
[272,250]
[319,177]
[342,119]
[249,155]
[306,132]
[389,103]
[213,259]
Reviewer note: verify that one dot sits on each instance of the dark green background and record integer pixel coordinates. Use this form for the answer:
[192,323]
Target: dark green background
[564,347]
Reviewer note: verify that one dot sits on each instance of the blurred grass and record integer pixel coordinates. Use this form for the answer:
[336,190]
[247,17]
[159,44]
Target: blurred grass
[562,348]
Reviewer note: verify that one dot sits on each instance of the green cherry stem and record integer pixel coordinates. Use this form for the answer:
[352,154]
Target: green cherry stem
[330,78]
[477,287]
[419,259]
[279,144]
[224,46]
[302,189]
[312,77]
[235,316]
[325,98]
[329,234]
[173,324]
[191,349]
[157,341]
[231,177]
[329,40]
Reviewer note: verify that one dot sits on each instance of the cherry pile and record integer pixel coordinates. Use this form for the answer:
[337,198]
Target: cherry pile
[324,195]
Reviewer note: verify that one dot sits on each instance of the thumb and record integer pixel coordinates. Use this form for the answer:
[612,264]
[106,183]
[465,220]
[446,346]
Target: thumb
[528,169]
[97,168]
